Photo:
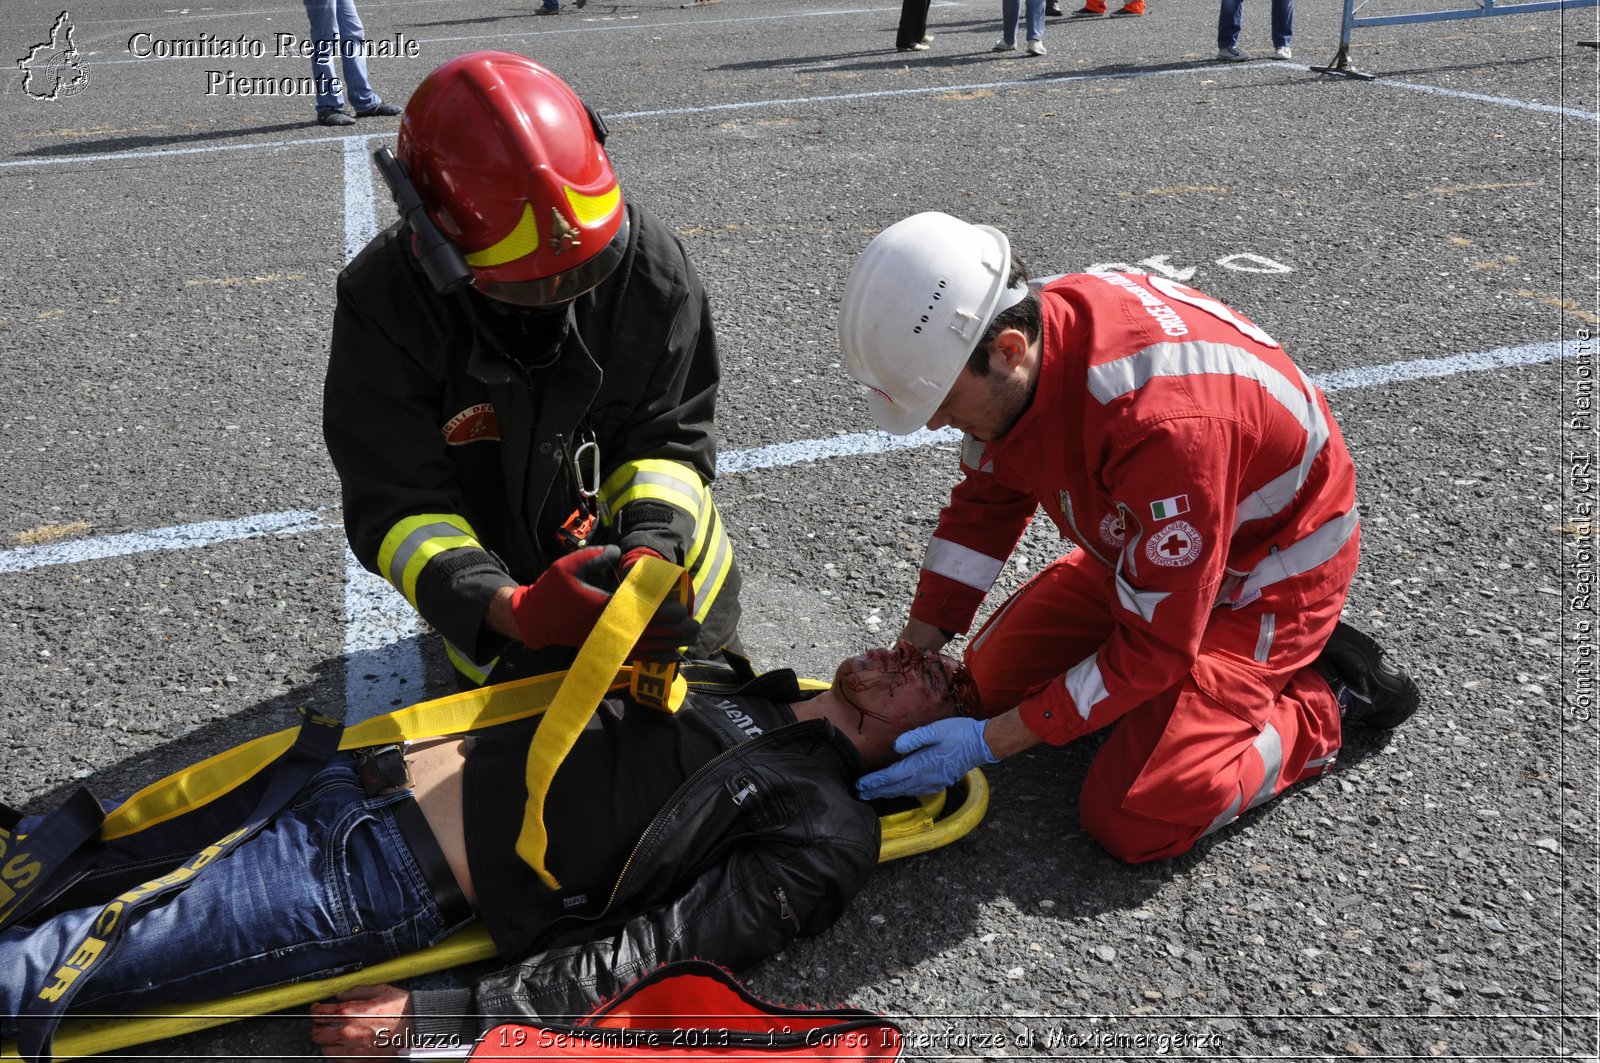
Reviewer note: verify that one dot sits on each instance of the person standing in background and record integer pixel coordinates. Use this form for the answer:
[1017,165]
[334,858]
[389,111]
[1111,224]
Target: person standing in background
[336,30]
[1230,17]
[1097,8]
[1008,27]
[913,33]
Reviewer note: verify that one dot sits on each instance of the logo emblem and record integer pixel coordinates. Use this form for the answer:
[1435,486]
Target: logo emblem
[1175,545]
[564,236]
[475,424]
[53,69]
[1112,531]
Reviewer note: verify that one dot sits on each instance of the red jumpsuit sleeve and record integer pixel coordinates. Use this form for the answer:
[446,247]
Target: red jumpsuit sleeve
[1176,484]
[977,531]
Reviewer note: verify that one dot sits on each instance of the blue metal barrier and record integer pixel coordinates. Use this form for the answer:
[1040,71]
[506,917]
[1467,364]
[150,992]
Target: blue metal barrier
[1483,9]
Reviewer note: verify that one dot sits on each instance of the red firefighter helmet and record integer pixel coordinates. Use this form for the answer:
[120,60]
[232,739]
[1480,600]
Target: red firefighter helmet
[512,169]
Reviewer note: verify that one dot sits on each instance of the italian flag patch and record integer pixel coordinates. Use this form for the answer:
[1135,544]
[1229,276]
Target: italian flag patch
[1169,507]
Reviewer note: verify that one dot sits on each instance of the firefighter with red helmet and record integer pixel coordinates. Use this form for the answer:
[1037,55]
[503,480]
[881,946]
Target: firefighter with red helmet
[1210,495]
[522,380]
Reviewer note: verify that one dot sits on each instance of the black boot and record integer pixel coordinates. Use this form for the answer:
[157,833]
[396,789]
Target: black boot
[1372,692]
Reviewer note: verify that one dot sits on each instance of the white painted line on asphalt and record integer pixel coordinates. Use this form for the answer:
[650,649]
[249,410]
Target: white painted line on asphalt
[920,90]
[1500,101]
[804,450]
[382,655]
[179,537]
[1399,372]
[731,462]
[163,153]
[360,205]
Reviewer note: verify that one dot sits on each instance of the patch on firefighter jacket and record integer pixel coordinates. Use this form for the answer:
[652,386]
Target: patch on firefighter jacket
[475,424]
[1174,544]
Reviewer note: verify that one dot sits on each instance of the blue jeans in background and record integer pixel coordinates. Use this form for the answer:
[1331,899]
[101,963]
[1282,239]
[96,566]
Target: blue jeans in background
[1008,20]
[1231,16]
[335,25]
[327,886]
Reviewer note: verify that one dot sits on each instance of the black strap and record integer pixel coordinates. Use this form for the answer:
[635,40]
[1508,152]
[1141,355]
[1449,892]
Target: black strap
[40,864]
[453,906]
[36,1024]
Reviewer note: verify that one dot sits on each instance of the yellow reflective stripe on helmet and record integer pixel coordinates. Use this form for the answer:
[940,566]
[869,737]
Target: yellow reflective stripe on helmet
[415,541]
[523,240]
[591,210]
[710,561]
[671,482]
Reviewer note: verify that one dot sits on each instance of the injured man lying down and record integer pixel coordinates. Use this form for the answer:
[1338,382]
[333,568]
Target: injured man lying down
[739,813]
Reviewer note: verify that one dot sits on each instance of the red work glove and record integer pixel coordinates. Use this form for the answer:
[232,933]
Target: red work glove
[560,607]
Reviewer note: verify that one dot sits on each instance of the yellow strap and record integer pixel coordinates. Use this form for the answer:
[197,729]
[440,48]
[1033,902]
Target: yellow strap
[183,790]
[659,685]
[198,784]
[585,684]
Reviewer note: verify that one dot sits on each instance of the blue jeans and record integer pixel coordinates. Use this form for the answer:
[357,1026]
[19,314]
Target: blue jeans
[327,886]
[335,26]
[1008,20]
[1231,16]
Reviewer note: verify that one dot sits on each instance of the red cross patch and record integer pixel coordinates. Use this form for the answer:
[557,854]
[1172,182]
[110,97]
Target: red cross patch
[1173,544]
[1112,531]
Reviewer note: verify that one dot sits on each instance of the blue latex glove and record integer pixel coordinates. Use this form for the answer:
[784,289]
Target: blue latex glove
[935,755]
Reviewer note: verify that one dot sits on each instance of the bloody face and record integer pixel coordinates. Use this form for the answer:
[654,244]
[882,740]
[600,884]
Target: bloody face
[904,686]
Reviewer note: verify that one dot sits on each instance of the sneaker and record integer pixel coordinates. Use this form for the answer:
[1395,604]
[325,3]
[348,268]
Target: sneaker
[1283,53]
[1232,54]
[379,110]
[1035,48]
[1003,45]
[1051,7]
[1372,691]
[927,38]
[1088,12]
[548,11]
[1127,12]
[918,47]
[334,118]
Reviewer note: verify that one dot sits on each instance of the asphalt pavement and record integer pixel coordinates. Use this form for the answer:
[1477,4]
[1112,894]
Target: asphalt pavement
[173,576]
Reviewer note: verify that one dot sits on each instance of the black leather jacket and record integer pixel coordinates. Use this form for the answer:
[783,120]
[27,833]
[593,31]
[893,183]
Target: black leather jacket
[764,843]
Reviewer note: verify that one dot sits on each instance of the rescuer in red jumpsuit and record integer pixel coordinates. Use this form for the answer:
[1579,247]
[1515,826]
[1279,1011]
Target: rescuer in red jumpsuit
[1212,499]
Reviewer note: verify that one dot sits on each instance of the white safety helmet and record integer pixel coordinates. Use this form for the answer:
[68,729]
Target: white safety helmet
[917,302]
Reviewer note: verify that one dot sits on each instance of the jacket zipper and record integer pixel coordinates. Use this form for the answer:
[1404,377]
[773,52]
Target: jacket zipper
[784,909]
[1077,533]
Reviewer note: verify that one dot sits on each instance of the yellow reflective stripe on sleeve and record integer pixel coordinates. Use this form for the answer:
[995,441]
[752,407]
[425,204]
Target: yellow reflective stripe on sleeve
[472,670]
[586,682]
[710,560]
[415,541]
[671,482]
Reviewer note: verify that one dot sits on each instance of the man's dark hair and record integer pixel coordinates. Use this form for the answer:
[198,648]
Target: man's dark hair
[1026,316]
